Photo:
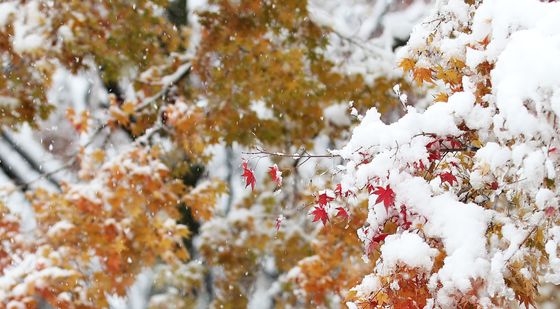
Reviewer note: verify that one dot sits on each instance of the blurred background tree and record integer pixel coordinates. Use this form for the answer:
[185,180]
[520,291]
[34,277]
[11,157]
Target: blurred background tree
[125,122]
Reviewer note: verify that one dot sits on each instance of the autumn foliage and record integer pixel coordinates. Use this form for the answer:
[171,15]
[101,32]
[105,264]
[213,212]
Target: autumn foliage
[259,154]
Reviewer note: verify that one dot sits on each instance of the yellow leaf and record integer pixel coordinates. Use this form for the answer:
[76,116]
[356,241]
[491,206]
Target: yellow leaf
[382,298]
[128,108]
[422,75]
[441,97]
[407,64]
[98,155]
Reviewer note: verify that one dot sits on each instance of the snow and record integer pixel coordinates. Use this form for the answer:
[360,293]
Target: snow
[263,112]
[494,155]
[408,249]
[337,114]
[551,249]
[29,19]
[59,228]
[369,283]
[365,32]
[6,9]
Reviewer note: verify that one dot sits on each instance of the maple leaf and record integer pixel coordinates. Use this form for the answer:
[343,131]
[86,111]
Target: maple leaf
[407,64]
[441,97]
[249,176]
[342,213]
[406,224]
[448,177]
[380,237]
[320,214]
[434,156]
[485,41]
[338,190]
[324,199]
[275,174]
[455,143]
[419,166]
[422,75]
[385,195]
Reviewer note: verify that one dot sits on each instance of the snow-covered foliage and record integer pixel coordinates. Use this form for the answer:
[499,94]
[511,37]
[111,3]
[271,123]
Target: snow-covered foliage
[473,176]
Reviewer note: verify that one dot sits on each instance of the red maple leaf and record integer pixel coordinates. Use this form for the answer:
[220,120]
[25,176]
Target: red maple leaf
[419,166]
[275,174]
[342,213]
[380,237]
[374,243]
[406,224]
[338,190]
[249,176]
[433,145]
[385,195]
[434,155]
[320,214]
[324,199]
[447,177]
[454,142]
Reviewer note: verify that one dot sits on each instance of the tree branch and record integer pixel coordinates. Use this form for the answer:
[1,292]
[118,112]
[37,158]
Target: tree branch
[171,80]
[23,185]
[262,152]
[27,158]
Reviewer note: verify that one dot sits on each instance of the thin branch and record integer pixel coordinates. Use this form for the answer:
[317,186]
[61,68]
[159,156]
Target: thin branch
[359,43]
[523,242]
[287,155]
[176,77]
[26,157]
[17,179]
[23,186]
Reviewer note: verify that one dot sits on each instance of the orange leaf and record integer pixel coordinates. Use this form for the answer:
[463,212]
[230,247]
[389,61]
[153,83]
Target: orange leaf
[407,64]
[422,75]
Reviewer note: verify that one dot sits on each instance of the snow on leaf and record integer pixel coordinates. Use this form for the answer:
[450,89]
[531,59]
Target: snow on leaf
[379,238]
[376,241]
[320,213]
[407,64]
[385,195]
[275,175]
[249,176]
[455,143]
[406,224]
[323,199]
[342,213]
[448,177]
[338,190]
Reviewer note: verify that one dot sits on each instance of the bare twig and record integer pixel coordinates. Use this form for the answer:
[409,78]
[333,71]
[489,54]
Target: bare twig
[23,186]
[26,157]
[523,242]
[176,77]
[305,154]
